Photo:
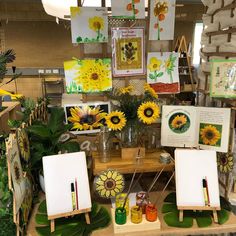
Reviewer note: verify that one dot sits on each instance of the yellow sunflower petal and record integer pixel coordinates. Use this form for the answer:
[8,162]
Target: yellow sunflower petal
[103,192]
[98,188]
[113,193]
[114,175]
[109,174]
[103,177]
[108,192]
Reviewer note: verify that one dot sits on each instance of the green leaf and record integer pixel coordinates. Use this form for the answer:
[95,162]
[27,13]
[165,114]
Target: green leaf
[203,218]
[70,147]
[56,120]
[169,208]
[152,77]
[41,219]
[79,39]
[225,204]
[160,74]
[40,130]
[223,216]
[42,208]
[171,198]
[172,219]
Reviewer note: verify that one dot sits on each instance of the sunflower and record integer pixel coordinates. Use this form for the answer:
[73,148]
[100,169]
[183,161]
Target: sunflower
[154,64]
[23,143]
[179,121]
[127,89]
[94,75]
[160,9]
[210,135]
[150,90]
[116,120]
[96,23]
[148,112]
[109,183]
[86,118]
[17,172]
[225,162]
[74,11]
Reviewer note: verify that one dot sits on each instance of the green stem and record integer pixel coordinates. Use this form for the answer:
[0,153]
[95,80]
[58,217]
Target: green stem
[158,30]
[171,78]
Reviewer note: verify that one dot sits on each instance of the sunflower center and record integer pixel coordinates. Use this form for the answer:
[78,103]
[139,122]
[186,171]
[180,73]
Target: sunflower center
[223,160]
[110,184]
[115,120]
[89,119]
[148,112]
[209,134]
[179,122]
[94,76]
[97,25]
[154,65]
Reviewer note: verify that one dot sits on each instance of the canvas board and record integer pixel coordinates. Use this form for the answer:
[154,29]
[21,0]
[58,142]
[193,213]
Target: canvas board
[59,172]
[191,167]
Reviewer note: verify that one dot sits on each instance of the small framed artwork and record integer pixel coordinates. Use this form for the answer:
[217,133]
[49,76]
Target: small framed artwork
[223,78]
[89,24]
[128,51]
[88,75]
[86,117]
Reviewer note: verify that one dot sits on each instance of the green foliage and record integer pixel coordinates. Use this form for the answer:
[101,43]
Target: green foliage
[75,225]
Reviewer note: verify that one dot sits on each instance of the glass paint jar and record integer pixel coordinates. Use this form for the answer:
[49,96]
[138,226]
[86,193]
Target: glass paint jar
[120,199]
[151,213]
[136,214]
[142,200]
[120,216]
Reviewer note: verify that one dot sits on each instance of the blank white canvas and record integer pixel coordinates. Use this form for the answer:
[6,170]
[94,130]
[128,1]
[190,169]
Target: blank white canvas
[59,172]
[192,166]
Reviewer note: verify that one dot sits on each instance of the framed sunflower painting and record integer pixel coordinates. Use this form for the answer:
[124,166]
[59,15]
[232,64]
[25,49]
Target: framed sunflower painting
[89,24]
[88,76]
[86,117]
[128,51]
[163,72]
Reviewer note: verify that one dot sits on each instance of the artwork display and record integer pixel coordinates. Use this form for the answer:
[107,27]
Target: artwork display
[223,78]
[133,9]
[89,24]
[128,51]
[162,20]
[86,117]
[162,72]
[88,76]
[204,127]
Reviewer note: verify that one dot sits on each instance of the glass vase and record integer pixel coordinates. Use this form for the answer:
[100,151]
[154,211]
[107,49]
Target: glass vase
[104,145]
[129,135]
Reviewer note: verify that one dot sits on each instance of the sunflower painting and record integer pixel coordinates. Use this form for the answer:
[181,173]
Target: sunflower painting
[210,134]
[179,122]
[89,24]
[87,117]
[88,76]
[23,143]
[109,183]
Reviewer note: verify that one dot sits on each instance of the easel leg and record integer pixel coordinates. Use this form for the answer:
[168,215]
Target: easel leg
[52,223]
[181,215]
[215,216]
[87,218]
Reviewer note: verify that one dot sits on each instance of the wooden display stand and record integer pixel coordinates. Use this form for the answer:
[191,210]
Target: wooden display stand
[131,153]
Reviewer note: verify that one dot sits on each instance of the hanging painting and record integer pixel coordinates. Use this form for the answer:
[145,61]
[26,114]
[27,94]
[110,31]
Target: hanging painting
[162,20]
[88,76]
[128,51]
[223,78]
[89,24]
[132,9]
[162,72]
[86,117]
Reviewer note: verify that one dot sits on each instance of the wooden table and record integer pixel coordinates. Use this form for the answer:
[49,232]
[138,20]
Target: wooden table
[149,164]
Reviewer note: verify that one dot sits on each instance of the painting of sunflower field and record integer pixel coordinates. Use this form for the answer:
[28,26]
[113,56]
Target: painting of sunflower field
[88,76]
[89,24]
[179,122]
[210,134]
[86,117]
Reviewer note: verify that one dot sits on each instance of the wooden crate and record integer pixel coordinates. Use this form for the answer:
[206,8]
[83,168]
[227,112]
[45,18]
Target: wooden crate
[131,153]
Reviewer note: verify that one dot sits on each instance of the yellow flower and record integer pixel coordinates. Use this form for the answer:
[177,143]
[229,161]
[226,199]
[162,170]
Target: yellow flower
[210,135]
[148,112]
[127,89]
[96,23]
[86,118]
[23,142]
[116,120]
[74,11]
[225,162]
[179,121]
[150,90]
[154,64]
[109,183]
[160,8]
[94,76]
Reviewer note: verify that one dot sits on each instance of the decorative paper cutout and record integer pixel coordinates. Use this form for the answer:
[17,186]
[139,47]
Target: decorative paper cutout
[88,76]
[162,72]
[89,24]
[162,20]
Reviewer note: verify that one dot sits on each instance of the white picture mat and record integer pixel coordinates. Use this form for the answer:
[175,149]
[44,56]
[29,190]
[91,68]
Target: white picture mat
[191,167]
[59,172]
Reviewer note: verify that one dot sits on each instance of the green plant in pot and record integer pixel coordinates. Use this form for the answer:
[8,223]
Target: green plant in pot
[50,139]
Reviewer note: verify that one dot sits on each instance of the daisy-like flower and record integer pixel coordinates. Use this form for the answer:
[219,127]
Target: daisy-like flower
[148,112]
[125,90]
[150,90]
[96,23]
[23,143]
[74,11]
[115,120]
[225,162]
[210,135]
[169,66]
[154,64]
[86,118]
[160,9]
[109,183]
[179,121]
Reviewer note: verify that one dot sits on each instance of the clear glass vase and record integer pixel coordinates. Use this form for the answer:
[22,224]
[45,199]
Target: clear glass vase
[129,135]
[104,145]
